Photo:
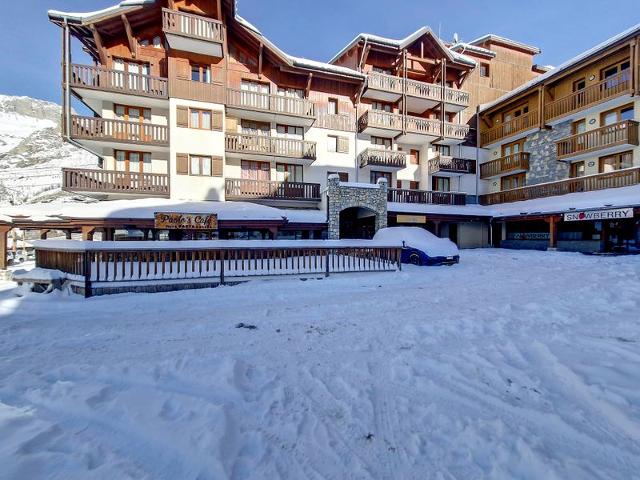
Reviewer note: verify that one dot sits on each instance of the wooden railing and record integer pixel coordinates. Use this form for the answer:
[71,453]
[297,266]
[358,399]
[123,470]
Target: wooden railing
[445,163]
[424,126]
[459,97]
[341,122]
[429,91]
[380,119]
[601,181]
[509,163]
[458,131]
[266,145]
[94,128]
[403,195]
[241,188]
[105,79]
[96,268]
[593,94]
[109,181]
[416,88]
[190,25]
[621,133]
[199,91]
[380,157]
[512,127]
[297,107]
[382,81]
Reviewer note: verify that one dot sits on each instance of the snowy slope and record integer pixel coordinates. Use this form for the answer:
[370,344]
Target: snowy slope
[32,151]
[511,365]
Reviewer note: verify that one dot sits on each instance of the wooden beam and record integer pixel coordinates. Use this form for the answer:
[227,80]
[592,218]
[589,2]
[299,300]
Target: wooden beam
[308,88]
[541,121]
[363,59]
[171,5]
[4,229]
[97,38]
[218,8]
[132,40]
[87,232]
[260,49]
[429,61]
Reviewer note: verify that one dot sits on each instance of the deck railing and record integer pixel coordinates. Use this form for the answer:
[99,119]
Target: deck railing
[341,122]
[95,128]
[382,81]
[621,133]
[506,164]
[111,181]
[191,25]
[242,188]
[199,91]
[592,95]
[267,145]
[109,80]
[416,88]
[96,268]
[380,119]
[459,97]
[403,195]
[445,163]
[512,127]
[459,131]
[424,126]
[429,91]
[601,181]
[273,103]
[380,157]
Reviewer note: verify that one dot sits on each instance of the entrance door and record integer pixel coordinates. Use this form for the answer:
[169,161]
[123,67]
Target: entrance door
[357,222]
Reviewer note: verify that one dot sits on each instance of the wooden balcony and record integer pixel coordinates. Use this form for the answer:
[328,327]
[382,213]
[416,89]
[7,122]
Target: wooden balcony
[342,122]
[428,127]
[451,165]
[601,181]
[244,189]
[517,162]
[376,122]
[455,132]
[523,123]
[262,145]
[456,97]
[380,157]
[602,140]
[116,81]
[590,96]
[266,107]
[383,87]
[193,33]
[403,195]
[199,91]
[113,182]
[118,131]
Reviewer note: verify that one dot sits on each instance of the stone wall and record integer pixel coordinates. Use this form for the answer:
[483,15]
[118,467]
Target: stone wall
[543,162]
[346,195]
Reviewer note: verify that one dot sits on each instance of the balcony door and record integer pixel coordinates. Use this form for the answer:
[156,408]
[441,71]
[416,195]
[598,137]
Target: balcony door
[375,176]
[130,164]
[254,94]
[130,75]
[288,100]
[134,129]
[615,76]
[513,148]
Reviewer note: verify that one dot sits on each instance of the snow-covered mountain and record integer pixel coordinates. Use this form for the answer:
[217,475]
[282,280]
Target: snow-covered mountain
[32,151]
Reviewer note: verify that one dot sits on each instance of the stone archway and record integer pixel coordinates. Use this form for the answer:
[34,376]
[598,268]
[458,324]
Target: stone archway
[356,199]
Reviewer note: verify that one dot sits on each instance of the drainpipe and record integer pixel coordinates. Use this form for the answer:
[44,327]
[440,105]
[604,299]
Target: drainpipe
[67,72]
[477,152]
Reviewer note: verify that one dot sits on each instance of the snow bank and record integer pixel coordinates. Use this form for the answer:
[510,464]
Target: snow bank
[419,238]
[38,275]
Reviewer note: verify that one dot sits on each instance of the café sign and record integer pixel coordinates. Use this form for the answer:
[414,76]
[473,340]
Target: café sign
[613,214]
[185,221]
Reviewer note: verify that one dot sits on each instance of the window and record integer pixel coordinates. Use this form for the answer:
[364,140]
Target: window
[517,112]
[200,119]
[414,157]
[380,142]
[332,106]
[512,181]
[375,176]
[484,69]
[286,172]
[200,73]
[444,150]
[617,115]
[616,162]
[414,185]
[127,161]
[616,74]
[127,74]
[249,127]
[290,131]
[332,143]
[290,92]
[132,114]
[386,71]
[157,41]
[381,106]
[252,170]
[199,165]
[440,184]
[344,176]
[576,170]
[513,148]
[579,127]
[251,86]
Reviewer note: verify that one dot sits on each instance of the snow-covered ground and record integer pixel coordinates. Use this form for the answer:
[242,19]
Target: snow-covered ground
[510,365]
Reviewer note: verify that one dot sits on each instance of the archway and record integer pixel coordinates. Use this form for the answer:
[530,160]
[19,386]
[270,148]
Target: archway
[357,222]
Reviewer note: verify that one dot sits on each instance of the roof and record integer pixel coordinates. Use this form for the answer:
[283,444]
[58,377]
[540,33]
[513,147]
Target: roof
[565,66]
[462,47]
[491,37]
[96,16]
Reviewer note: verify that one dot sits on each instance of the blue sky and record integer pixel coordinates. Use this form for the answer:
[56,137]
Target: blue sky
[29,64]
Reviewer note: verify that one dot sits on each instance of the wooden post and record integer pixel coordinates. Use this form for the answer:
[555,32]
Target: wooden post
[553,233]
[87,233]
[43,234]
[222,267]
[86,271]
[4,229]
[67,234]
[326,261]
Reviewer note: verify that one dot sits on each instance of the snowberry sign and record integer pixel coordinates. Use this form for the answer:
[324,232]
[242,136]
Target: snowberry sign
[615,214]
[185,221]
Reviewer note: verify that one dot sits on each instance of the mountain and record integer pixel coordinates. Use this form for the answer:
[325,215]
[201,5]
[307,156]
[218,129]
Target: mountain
[32,151]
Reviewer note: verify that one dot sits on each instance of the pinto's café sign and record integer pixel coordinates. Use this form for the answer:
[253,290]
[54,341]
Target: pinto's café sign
[613,214]
[185,221]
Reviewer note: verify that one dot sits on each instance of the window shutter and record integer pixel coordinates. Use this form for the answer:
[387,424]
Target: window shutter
[183,68]
[216,166]
[182,116]
[231,125]
[343,145]
[182,164]
[216,120]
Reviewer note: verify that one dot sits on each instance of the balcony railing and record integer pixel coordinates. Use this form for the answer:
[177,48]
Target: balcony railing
[108,80]
[601,181]
[193,26]
[272,146]
[512,127]
[240,189]
[94,128]
[424,126]
[621,133]
[382,81]
[281,104]
[458,131]
[416,88]
[447,164]
[509,163]
[342,122]
[199,91]
[379,157]
[380,119]
[402,195]
[108,181]
[429,91]
[459,97]
[592,95]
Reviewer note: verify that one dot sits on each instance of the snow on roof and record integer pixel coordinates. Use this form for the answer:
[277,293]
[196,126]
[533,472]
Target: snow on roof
[470,210]
[462,47]
[566,65]
[491,37]
[90,17]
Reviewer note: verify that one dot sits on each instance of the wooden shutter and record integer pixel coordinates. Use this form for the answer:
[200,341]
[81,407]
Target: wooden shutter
[182,116]
[182,163]
[216,166]
[343,145]
[216,120]
[231,125]
[183,68]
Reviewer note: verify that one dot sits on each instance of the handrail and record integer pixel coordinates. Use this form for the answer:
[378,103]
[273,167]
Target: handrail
[381,157]
[511,127]
[403,195]
[445,163]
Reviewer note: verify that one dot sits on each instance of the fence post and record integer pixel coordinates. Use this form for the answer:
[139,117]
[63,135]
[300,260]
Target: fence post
[86,269]
[399,257]
[326,262]
[222,267]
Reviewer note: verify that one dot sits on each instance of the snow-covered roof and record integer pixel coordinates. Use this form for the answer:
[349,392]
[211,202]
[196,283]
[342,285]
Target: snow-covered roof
[491,37]
[469,210]
[462,47]
[95,16]
[565,66]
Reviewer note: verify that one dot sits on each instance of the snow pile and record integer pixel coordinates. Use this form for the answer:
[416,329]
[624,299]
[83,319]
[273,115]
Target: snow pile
[493,368]
[418,238]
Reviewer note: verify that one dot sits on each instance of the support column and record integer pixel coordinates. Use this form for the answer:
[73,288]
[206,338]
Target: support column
[67,234]
[436,227]
[4,229]
[87,233]
[43,234]
[553,233]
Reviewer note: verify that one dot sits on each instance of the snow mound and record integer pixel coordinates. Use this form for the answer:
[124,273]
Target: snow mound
[419,238]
